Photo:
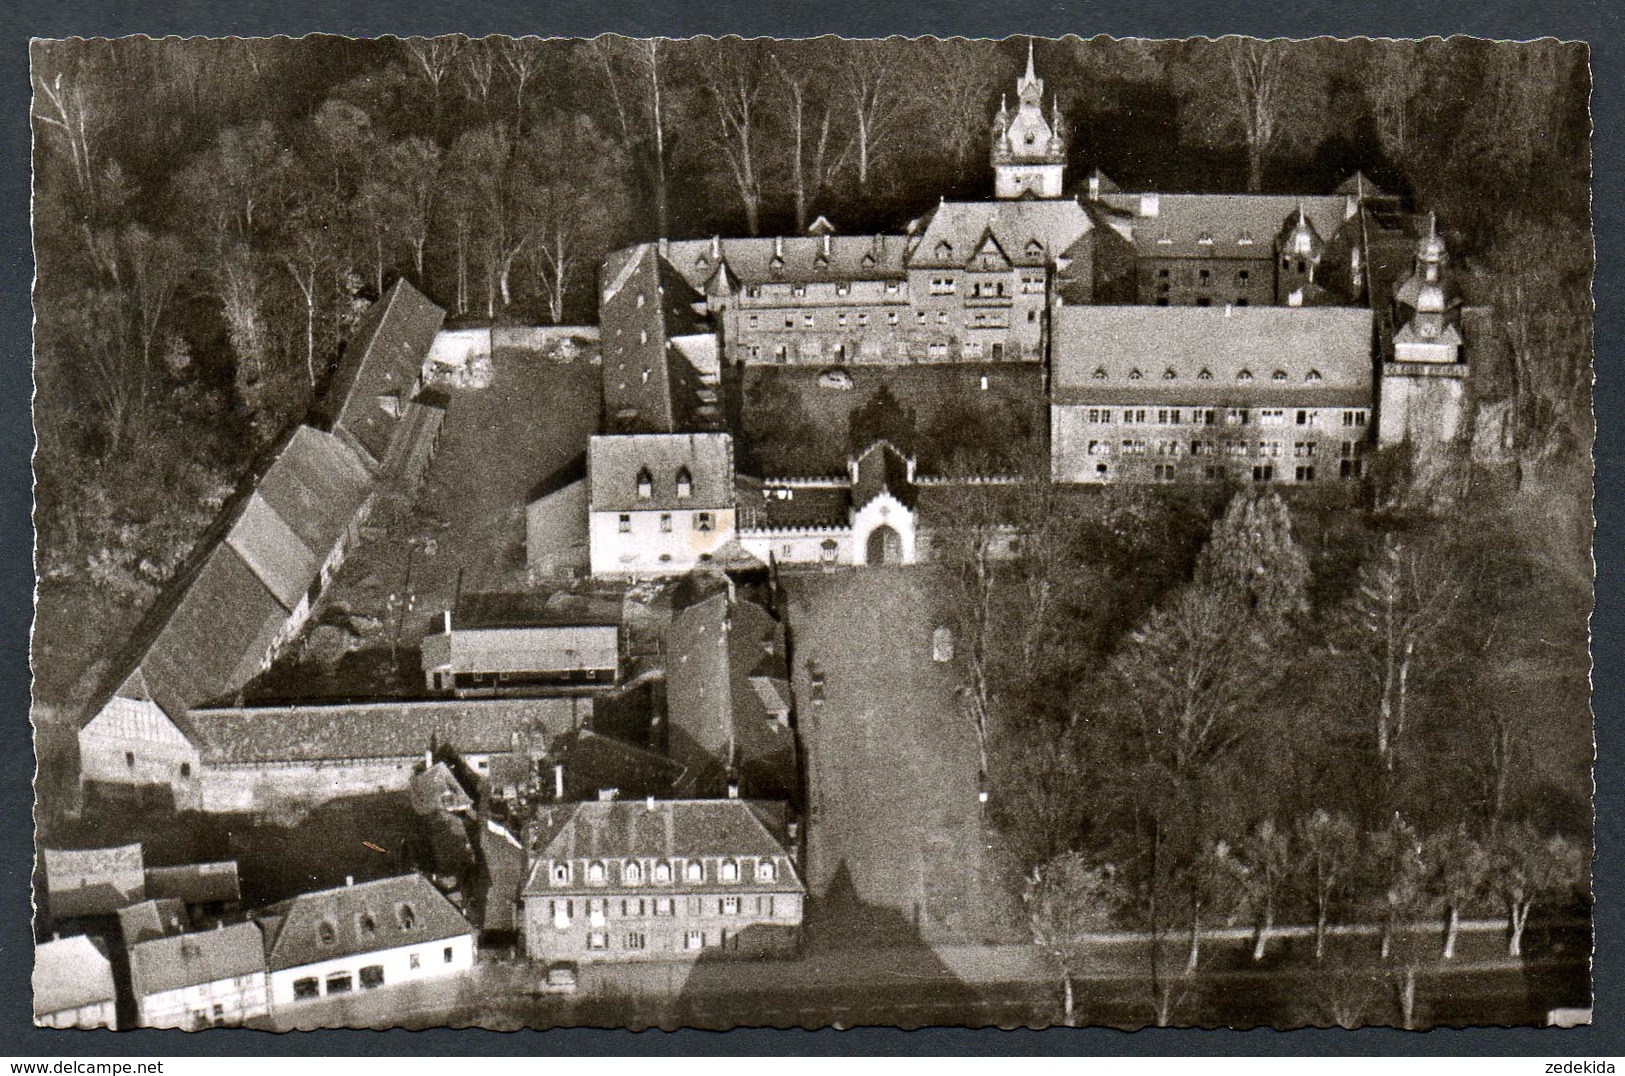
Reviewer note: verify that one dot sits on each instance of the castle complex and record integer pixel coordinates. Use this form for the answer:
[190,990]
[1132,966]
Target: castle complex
[1183,337]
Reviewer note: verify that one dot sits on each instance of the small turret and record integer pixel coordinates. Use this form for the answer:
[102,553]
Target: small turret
[1028,151]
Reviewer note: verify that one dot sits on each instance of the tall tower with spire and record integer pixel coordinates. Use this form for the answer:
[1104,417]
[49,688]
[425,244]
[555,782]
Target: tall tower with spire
[1029,152]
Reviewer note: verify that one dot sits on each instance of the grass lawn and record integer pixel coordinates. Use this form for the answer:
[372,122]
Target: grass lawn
[892,767]
[792,425]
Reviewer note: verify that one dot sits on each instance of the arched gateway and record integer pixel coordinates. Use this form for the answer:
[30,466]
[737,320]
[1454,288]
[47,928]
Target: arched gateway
[885,546]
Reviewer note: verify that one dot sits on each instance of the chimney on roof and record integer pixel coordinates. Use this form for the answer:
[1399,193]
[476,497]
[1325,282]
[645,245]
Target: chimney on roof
[428,759]
[1150,204]
[607,795]
[665,245]
[1094,185]
[558,780]
[733,790]
[716,247]
[649,804]
[825,240]
[349,880]
[448,621]
[778,246]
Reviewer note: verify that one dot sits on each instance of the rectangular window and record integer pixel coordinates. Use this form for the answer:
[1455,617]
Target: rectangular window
[1303,449]
[1162,274]
[789,321]
[1242,277]
[1272,417]
[891,317]
[1099,448]
[702,521]
[942,317]
[414,961]
[1168,416]
[1263,472]
[694,939]
[1099,414]
[1164,472]
[942,285]
[799,290]
[339,983]
[1236,416]
[728,906]
[372,976]
[663,906]
[1351,468]
[806,321]
[755,321]
[1213,473]
[1133,416]
[1205,416]
[625,523]
[1354,418]
[863,321]
[446,955]
[665,522]
[305,989]
[597,939]
[636,940]
[1306,474]
[891,287]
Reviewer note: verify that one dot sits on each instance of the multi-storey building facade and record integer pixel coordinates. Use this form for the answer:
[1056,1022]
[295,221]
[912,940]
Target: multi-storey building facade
[658,504]
[211,978]
[659,880]
[362,937]
[1256,394]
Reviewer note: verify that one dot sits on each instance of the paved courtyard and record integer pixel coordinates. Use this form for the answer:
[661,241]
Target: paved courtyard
[896,836]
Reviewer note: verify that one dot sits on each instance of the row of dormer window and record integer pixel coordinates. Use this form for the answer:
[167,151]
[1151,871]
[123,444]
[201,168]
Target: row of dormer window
[646,484]
[1170,374]
[661,872]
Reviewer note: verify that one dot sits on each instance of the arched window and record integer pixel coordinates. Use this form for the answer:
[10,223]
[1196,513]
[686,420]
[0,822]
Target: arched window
[694,872]
[662,872]
[366,924]
[1134,375]
[944,249]
[1100,373]
[407,916]
[646,484]
[326,932]
[764,871]
[595,872]
[685,484]
[1244,375]
[1169,374]
[730,871]
[1312,375]
[1279,375]
[561,874]
[632,873]
[1205,375]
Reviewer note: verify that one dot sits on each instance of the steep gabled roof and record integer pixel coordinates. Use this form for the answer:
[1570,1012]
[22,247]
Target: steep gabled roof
[1193,355]
[615,462]
[367,917]
[379,730]
[1217,225]
[796,259]
[92,881]
[70,973]
[196,883]
[616,829]
[208,631]
[955,230]
[882,469]
[383,362]
[177,961]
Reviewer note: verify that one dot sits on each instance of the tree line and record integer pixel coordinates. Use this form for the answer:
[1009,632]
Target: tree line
[1192,713]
